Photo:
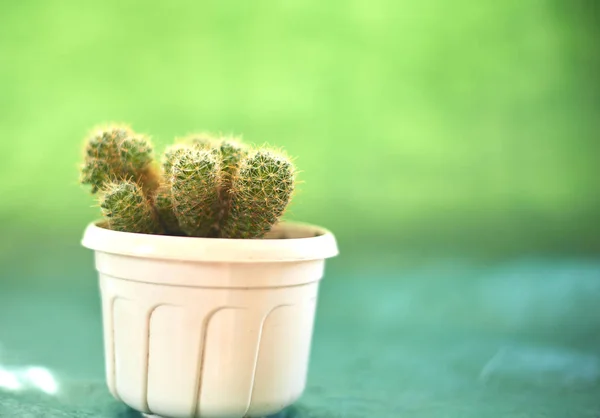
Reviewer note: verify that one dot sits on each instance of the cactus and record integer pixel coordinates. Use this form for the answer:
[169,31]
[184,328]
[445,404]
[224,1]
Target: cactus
[260,193]
[127,209]
[172,154]
[232,152]
[208,186]
[195,183]
[163,201]
[117,153]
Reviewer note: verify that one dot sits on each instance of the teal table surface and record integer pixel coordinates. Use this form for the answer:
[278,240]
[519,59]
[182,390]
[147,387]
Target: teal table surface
[517,338]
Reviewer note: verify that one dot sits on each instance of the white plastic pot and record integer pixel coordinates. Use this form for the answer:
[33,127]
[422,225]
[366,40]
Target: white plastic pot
[205,327]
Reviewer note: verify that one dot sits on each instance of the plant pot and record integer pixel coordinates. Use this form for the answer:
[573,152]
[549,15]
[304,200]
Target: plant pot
[207,327]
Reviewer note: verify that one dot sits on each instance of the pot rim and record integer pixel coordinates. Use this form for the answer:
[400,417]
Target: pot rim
[308,242]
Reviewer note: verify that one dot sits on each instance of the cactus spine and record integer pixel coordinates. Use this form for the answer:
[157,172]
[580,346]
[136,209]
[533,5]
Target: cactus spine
[117,153]
[202,141]
[164,197]
[232,152]
[127,209]
[195,183]
[260,192]
[208,187]
[163,203]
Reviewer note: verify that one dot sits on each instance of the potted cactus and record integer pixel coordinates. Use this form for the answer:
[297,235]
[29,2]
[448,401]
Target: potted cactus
[208,300]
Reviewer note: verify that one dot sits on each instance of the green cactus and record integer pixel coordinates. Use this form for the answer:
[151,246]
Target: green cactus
[127,209]
[163,201]
[117,153]
[232,152]
[195,183]
[171,154]
[260,192]
[208,187]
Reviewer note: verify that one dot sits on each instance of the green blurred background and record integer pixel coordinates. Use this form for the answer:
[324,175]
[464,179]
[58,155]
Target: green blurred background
[452,147]
[444,126]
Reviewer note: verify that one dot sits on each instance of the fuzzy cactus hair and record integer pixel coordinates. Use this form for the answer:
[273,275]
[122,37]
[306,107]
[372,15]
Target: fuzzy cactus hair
[126,208]
[260,192]
[195,184]
[114,153]
[208,186]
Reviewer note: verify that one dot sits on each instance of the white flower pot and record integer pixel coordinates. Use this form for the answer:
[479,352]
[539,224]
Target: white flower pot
[206,327]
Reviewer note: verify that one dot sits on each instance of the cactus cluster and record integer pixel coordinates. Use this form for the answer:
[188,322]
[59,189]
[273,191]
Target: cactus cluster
[205,186]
